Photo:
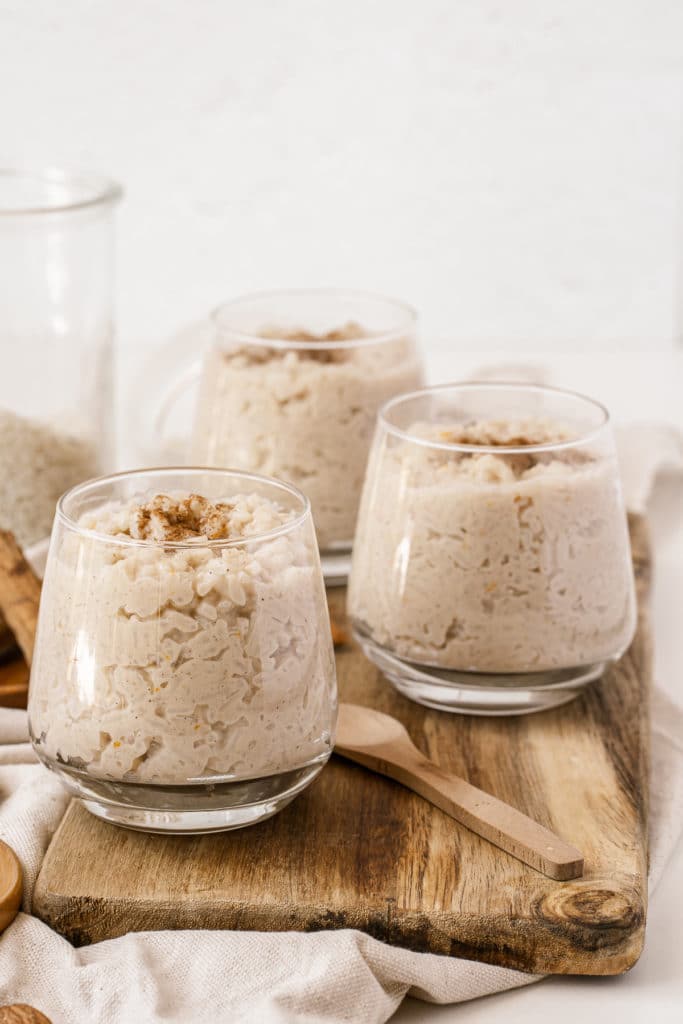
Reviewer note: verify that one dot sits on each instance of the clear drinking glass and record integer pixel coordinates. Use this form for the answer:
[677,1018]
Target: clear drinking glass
[183,677]
[491,567]
[291,387]
[56,324]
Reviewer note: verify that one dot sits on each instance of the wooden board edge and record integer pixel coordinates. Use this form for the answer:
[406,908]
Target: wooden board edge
[515,944]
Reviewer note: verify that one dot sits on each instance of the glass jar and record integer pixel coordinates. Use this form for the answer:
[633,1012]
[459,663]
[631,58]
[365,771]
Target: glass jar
[291,387]
[183,677]
[56,324]
[491,568]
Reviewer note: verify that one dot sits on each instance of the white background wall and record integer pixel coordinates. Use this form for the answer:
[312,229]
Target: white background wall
[512,167]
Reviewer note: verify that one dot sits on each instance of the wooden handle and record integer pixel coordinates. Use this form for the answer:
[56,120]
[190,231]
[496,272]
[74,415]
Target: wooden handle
[19,594]
[494,820]
[11,885]
[20,1013]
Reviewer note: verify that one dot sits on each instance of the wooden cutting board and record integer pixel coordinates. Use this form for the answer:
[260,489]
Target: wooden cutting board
[13,680]
[357,850]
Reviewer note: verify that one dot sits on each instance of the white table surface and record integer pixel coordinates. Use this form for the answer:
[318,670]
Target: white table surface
[634,387]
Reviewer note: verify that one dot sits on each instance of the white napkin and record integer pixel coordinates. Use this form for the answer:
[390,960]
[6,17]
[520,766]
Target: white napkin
[271,978]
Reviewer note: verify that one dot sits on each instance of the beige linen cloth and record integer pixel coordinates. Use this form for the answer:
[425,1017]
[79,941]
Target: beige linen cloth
[271,978]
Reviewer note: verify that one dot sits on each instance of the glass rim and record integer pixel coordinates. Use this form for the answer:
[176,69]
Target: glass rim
[247,338]
[104,191]
[224,542]
[489,449]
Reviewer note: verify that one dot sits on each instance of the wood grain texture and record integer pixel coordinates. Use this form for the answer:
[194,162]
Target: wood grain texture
[11,885]
[381,743]
[20,1013]
[356,850]
[14,675]
[19,594]
[7,642]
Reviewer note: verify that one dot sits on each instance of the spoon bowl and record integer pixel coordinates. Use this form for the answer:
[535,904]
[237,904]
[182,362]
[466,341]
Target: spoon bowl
[364,727]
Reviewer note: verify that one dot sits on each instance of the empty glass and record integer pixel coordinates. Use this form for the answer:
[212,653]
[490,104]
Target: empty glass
[183,677]
[491,567]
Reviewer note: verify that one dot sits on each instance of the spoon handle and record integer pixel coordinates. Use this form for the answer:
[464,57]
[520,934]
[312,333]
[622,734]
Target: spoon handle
[494,820]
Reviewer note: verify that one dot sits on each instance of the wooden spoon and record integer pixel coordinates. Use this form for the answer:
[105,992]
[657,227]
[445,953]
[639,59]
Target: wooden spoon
[381,743]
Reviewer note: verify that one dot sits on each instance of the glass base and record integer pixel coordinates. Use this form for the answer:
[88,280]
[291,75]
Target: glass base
[479,693]
[190,809]
[336,565]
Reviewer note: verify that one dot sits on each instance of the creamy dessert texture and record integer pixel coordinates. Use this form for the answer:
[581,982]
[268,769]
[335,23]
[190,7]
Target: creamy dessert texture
[303,414]
[493,561]
[172,663]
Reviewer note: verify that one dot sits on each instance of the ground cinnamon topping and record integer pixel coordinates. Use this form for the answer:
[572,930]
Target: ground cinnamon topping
[508,434]
[170,519]
[350,331]
[505,434]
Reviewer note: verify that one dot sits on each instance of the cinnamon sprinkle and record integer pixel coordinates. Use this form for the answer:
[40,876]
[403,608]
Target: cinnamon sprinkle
[170,519]
[502,434]
[507,434]
[350,331]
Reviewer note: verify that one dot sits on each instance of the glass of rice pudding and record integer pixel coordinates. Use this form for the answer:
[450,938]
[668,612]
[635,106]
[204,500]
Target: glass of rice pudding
[183,677]
[491,566]
[291,387]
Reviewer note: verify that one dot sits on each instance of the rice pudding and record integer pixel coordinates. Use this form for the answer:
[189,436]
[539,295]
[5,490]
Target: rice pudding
[493,561]
[303,408]
[183,639]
